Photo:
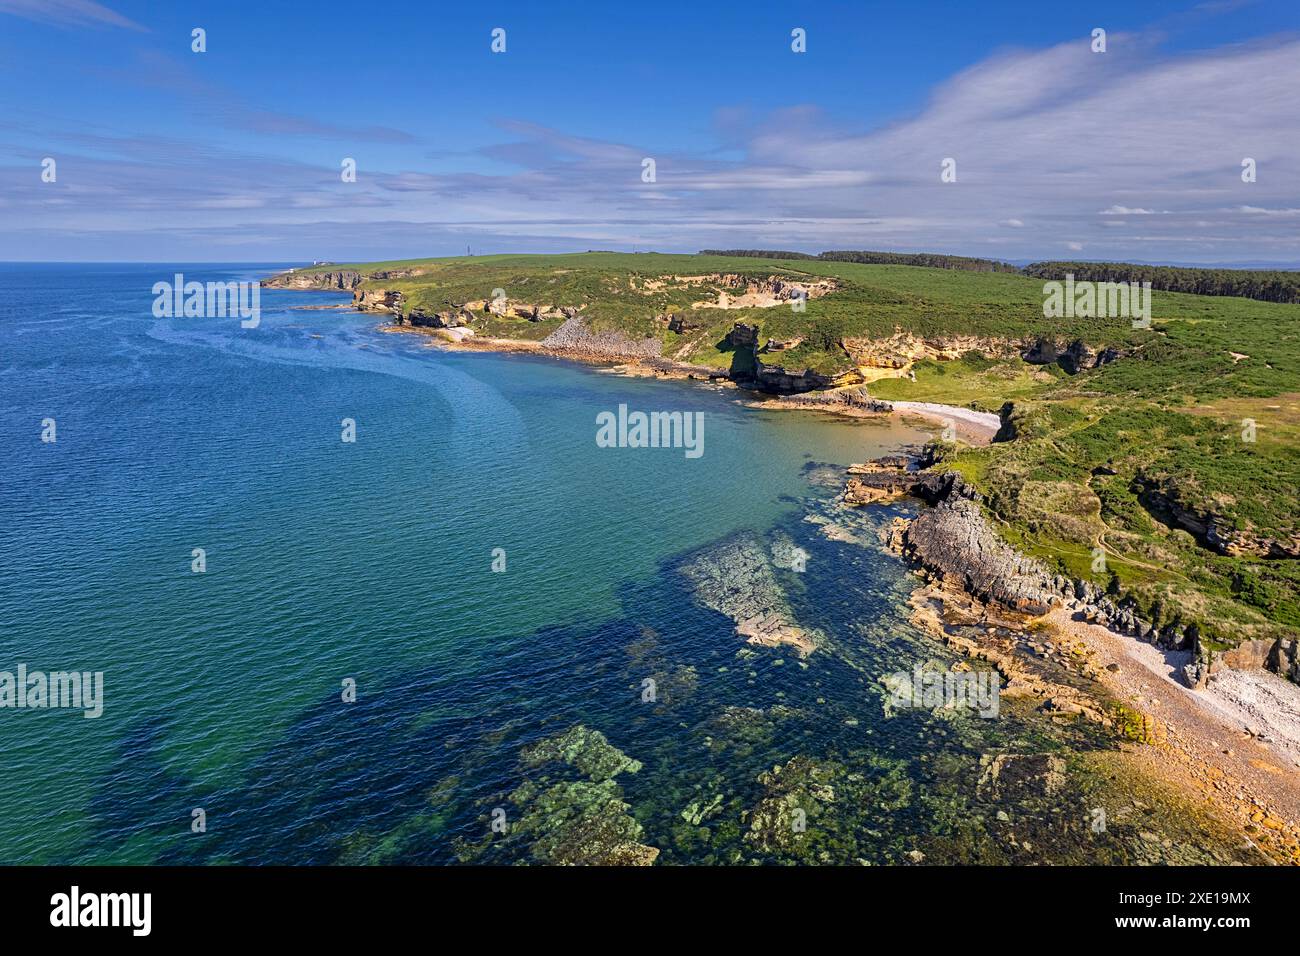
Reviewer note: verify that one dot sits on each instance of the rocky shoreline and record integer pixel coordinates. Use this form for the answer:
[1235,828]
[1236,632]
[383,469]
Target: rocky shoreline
[951,539]
[756,364]
[1158,687]
[954,541]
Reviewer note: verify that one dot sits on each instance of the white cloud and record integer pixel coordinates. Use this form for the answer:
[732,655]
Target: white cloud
[1069,139]
[1260,211]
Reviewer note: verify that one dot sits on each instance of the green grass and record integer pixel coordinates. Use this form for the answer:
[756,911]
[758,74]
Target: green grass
[972,381]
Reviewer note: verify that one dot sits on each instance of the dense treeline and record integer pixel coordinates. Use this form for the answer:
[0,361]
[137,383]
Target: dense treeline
[1268,286]
[757,253]
[931,259]
[1272,285]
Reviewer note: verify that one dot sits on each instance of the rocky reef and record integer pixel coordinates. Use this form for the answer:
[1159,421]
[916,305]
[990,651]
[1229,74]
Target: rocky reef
[573,813]
[809,810]
[736,578]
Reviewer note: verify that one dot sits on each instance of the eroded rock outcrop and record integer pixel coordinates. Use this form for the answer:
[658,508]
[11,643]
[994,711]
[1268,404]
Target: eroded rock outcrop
[852,397]
[749,370]
[955,542]
[1075,356]
[902,349]
[894,476]
[747,292]
[1164,498]
[344,279]
[378,300]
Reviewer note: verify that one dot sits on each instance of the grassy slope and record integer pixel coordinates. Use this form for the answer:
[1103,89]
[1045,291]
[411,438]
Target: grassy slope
[873,300]
[1172,409]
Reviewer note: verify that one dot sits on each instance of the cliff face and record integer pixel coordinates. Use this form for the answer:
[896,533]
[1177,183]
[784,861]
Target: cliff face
[345,280]
[903,348]
[749,370]
[1074,357]
[377,300]
[1163,498]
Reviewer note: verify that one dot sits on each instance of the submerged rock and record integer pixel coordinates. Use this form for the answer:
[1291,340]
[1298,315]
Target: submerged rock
[580,823]
[812,811]
[736,578]
[587,751]
[561,821]
[1016,776]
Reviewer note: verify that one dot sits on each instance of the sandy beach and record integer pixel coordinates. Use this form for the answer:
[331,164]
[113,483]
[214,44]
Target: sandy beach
[1236,743]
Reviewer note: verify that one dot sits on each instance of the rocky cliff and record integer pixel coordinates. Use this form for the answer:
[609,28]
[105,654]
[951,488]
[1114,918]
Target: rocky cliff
[904,348]
[749,370]
[344,279]
[955,542]
[1166,500]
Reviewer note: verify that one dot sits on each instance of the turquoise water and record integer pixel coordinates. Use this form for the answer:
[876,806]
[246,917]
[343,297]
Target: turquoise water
[372,561]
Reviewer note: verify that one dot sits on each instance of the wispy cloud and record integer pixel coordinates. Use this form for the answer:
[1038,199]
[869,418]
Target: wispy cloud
[1055,150]
[69,13]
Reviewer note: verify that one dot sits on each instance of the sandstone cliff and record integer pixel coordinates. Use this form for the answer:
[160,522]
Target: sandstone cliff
[902,349]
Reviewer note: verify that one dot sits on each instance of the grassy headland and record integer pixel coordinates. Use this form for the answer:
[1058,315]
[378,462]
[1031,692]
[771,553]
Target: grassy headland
[1171,449]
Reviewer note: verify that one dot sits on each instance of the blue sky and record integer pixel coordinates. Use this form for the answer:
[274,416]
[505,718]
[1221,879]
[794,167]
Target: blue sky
[234,153]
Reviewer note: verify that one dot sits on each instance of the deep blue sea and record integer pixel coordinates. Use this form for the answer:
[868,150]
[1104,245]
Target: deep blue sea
[481,695]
